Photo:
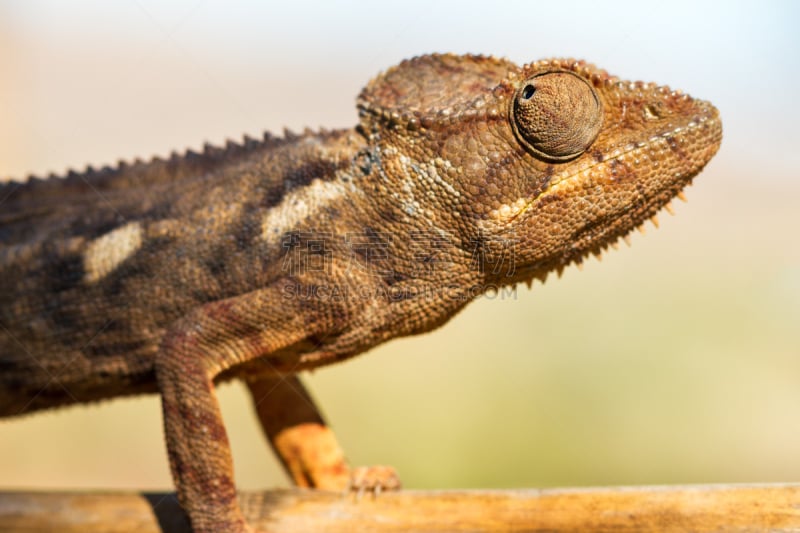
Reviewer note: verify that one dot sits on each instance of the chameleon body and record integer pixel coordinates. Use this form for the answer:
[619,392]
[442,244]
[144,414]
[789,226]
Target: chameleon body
[261,259]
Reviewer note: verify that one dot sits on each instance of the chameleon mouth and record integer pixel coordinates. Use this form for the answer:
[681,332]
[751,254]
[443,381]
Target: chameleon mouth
[630,156]
[640,153]
[679,153]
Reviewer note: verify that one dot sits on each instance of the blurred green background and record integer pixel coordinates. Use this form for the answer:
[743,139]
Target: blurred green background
[675,361]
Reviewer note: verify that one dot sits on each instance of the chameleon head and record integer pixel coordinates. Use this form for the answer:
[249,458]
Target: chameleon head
[616,153]
[541,164]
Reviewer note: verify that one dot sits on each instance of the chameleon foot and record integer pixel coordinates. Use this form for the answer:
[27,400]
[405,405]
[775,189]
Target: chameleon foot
[374,479]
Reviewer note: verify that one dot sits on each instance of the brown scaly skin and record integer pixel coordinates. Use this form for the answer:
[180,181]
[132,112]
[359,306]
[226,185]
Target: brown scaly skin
[260,260]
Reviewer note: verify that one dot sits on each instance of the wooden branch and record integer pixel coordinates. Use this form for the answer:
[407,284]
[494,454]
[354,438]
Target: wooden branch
[727,508]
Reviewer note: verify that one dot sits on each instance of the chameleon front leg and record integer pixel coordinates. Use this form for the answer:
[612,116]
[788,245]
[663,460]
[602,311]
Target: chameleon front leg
[213,338]
[305,444]
[197,444]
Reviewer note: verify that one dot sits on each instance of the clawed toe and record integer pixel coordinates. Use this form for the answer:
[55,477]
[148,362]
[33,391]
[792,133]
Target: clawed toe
[374,479]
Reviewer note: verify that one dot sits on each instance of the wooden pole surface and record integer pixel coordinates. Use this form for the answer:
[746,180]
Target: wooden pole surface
[728,508]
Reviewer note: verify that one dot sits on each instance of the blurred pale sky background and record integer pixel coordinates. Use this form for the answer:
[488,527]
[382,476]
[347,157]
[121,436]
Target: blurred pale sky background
[675,361]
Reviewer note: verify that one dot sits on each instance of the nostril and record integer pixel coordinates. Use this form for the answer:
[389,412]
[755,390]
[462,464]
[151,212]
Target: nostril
[651,112]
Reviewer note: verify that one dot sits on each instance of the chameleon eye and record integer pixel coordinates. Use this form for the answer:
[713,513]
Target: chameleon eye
[556,115]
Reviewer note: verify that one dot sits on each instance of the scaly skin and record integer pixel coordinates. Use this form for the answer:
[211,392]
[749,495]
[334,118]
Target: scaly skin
[257,261]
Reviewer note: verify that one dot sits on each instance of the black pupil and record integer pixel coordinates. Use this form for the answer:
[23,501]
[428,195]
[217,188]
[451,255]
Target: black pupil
[528,91]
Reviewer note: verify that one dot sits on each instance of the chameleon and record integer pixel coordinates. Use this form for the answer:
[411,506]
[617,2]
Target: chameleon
[267,257]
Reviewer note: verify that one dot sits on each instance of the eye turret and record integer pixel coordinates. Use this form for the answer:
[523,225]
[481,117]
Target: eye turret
[556,115]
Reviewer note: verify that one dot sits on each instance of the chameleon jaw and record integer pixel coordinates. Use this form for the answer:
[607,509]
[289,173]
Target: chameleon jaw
[634,153]
[576,256]
[605,230]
